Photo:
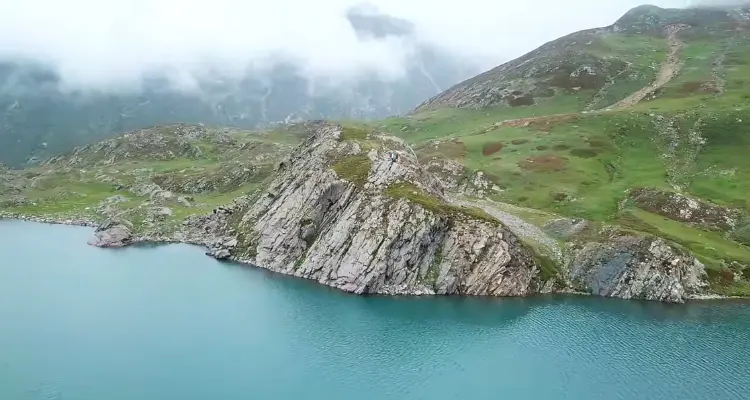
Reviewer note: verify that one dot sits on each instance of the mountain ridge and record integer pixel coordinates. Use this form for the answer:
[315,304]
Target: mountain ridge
[577,61]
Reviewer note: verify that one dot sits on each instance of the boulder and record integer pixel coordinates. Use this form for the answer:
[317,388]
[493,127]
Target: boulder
[112,234]
[638,267]
[219,254]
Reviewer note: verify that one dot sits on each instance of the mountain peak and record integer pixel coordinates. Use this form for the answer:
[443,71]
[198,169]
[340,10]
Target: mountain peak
[368,22]
[653,19]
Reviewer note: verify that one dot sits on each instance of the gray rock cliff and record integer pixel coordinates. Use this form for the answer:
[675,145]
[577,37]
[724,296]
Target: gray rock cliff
[390,233]
[635,267]
[390,229]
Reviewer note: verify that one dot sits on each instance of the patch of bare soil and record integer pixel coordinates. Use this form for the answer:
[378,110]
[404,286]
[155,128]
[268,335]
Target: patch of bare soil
[492,148]
[544,163]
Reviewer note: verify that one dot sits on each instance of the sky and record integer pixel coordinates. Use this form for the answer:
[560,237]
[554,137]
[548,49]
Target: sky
[113,43]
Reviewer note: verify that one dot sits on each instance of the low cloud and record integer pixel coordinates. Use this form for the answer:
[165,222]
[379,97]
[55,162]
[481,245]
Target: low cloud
[720,3]
[114,44]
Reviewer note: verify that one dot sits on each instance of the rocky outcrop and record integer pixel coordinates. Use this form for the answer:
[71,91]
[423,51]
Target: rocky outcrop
[457,178]
[157,143]
[112,234]
[393,234]
[565,228]
[224,179]
[635,267]
[375,226]
[682,208]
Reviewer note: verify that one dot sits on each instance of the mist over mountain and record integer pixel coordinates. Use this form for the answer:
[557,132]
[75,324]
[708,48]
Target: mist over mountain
[39,115]
[102,68]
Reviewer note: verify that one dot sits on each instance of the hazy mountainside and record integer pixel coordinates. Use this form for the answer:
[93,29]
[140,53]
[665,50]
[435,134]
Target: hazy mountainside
[38,118]
[612,161]
[596,68]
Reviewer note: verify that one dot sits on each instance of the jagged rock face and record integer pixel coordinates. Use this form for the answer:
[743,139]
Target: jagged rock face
[313,224]
[359,238]
[458,179]
[112,234]
[679,207]
[642,268]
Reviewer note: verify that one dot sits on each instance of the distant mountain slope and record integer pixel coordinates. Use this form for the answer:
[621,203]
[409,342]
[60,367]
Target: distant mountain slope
[596,68]
[38,119]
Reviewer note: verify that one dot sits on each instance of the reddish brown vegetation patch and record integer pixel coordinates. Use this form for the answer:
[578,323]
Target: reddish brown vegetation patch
[544,163]
[492,148]
[727,276]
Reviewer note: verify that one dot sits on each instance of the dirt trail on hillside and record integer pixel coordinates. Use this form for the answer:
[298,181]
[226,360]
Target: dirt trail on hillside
[669,69]
[516,225]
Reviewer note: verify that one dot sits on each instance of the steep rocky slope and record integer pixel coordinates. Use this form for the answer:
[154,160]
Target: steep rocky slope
[340,212]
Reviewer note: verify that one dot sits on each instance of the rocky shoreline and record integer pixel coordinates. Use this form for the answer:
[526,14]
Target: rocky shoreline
[384,228]
[211,245]
[342,214]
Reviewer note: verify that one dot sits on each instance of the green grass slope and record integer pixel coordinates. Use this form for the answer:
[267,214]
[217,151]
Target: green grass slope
[569,155]
[186,168]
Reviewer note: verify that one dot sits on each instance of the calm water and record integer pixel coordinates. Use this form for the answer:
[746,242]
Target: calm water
[169,323]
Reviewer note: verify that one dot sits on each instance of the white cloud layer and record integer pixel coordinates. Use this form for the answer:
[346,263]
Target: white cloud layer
[106,43]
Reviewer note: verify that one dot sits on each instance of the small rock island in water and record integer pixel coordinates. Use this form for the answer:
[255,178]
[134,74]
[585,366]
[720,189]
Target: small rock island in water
[547,174]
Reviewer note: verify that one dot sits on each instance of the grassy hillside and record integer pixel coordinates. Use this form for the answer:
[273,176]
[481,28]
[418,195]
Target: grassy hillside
[575,155]
[186,169]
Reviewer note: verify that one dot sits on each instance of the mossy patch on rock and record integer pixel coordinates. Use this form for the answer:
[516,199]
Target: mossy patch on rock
[354,169]
[409,191]
[353,133]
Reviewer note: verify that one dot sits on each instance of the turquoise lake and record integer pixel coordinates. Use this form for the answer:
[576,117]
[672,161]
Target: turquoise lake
[161,323]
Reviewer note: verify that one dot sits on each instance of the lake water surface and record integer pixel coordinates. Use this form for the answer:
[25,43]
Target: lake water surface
[162,323]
